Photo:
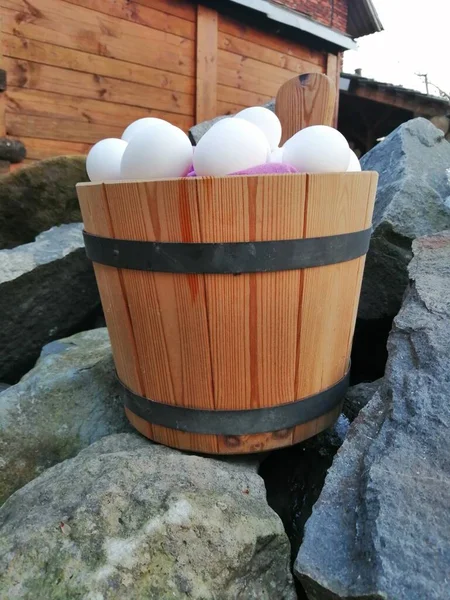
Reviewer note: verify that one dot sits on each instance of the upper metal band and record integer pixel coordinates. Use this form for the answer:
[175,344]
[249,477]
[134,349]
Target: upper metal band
[228,258]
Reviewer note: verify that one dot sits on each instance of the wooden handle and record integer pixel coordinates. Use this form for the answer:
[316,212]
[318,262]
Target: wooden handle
[303,101]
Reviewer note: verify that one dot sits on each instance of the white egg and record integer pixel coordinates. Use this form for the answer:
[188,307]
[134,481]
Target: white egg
[276,156]
[354,163]
[230,145]
[104,158]
[266,120]
[140,124]
[317,149]
[157,152]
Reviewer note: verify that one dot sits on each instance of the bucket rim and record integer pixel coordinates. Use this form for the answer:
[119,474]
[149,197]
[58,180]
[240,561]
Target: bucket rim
[188,180]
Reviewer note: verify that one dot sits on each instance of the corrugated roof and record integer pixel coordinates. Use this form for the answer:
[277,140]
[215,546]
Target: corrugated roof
[361,81]
[362,18]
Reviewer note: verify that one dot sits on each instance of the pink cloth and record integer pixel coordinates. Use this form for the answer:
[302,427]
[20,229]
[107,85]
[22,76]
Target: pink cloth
[265,169]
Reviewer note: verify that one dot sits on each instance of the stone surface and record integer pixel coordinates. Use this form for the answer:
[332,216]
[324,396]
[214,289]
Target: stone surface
[69,400]
[47,291]
[381,527]
[12,151]
[197,131]
[412,201]
[358,396]
[127,519]
[294,478]
[37,197]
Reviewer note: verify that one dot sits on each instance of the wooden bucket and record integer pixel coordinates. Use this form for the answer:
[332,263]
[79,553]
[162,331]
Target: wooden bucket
[231,302]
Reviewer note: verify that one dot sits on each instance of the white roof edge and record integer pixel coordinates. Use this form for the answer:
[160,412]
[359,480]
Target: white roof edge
[373,13]
[298,21]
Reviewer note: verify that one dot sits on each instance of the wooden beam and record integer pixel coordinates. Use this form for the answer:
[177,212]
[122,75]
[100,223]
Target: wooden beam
[333,63]
[206,79]
[2,93]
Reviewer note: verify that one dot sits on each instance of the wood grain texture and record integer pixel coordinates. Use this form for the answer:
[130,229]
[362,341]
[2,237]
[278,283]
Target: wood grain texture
[100,66]
[224,342]
[22,101]
[96,217]
[63,24]
[240,97]
[305,100]
[38,149]
[229,108]
[264,40]
[245,73]
[184,9]
[143,14]
[19,125]
[262,53]
[206,78]
[38,76]
[329,295]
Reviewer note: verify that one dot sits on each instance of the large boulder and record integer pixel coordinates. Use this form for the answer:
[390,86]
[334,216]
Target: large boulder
[381,528]
[69,400]
[130,519]
[37,197]
[413,200]
[47,291]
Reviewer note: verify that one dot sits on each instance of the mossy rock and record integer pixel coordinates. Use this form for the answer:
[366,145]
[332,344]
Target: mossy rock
[68,401]
[35,198]
[131,520]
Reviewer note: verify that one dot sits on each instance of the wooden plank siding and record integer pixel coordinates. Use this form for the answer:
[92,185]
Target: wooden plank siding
[253,64]
[81,70]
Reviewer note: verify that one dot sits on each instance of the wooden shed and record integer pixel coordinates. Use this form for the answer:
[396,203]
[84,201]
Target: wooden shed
[369,110]
[81,70]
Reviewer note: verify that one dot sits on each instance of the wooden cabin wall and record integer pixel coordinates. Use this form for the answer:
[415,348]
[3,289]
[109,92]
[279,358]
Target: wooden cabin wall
[81,70]
[252,65]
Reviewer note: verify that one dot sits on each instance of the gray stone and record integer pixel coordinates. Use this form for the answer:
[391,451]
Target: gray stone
[294,478]
[47,291]
[12,151]
[37,197]
[381,527]
[411,202]
[127,519]
[358,396]
[198,131]
[69,400]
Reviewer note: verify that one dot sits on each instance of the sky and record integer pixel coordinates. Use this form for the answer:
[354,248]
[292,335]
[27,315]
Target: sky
[415,40]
